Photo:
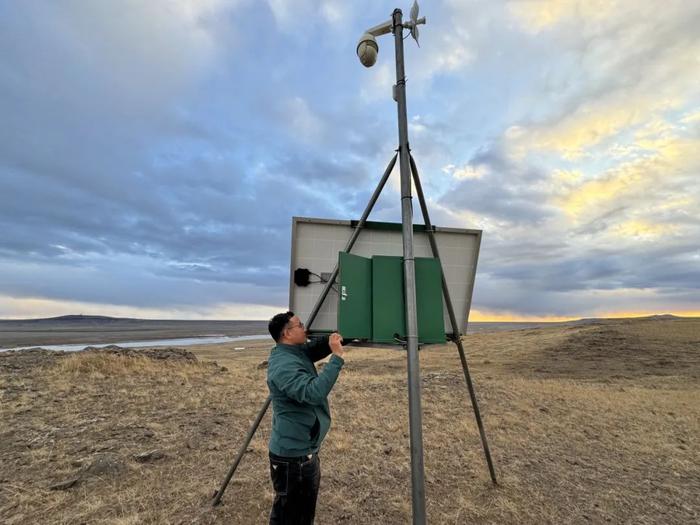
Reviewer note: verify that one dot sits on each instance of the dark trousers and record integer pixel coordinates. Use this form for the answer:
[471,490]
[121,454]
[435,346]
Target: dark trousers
[296,482]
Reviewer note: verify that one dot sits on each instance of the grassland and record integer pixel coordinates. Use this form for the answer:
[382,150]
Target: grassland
[594,423]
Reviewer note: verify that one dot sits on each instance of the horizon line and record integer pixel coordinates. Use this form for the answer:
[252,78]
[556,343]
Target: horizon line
[478,318]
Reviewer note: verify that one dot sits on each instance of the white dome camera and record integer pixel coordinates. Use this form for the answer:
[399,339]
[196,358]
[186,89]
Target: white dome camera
[367,50]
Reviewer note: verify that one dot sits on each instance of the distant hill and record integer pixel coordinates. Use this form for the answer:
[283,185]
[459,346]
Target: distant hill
[655,317]
[81,317]
[78,318]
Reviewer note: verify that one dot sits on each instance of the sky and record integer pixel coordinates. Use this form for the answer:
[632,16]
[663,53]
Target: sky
[152,154]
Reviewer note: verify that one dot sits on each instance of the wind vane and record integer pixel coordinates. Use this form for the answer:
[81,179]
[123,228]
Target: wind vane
[413,24]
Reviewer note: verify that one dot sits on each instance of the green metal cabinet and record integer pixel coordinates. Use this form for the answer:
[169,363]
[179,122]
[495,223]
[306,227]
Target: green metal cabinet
[371,298]
[388,313]
[431,323]
[355,296]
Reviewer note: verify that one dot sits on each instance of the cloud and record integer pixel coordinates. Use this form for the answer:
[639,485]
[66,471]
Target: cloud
[492,184]
[295,17]
[302,121]
[153,154]
[538,15]
[32,308]
[122,279]
[655,189]
[467,171]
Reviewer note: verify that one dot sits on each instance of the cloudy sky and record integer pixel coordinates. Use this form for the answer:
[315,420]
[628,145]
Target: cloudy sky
[152,153]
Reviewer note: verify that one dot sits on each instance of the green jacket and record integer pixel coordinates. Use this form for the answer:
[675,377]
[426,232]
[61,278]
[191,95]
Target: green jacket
[301,416]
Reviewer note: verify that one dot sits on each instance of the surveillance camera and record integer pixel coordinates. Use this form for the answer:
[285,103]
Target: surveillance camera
[367,50]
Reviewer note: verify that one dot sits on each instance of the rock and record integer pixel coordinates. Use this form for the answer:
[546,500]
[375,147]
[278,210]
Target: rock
[262,365]
[169,353]
[151,455]
[105,464]
[101,465]
[64,485]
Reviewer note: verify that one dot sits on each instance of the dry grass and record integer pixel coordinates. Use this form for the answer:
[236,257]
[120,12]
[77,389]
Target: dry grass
[101,365]
[587,424]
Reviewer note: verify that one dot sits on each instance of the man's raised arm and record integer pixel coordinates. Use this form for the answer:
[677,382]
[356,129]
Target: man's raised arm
[317,348]
[322,347]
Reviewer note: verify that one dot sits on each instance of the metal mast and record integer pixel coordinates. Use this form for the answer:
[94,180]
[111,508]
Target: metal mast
[414,405]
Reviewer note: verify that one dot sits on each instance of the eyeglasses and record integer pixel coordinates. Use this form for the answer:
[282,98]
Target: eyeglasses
[301,325]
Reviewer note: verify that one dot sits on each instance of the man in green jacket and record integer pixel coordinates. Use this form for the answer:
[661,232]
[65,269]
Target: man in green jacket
[301,416]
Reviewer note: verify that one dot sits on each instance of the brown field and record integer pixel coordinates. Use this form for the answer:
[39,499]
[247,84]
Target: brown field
[592,423]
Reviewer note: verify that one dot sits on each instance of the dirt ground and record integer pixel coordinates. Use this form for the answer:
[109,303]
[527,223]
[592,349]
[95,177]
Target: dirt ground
[595,423]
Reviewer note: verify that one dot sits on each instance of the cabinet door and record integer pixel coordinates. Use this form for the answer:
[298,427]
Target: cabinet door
[355,296]
[388,312]
[431,321]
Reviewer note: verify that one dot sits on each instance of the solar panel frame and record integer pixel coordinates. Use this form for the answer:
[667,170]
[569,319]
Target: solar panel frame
[316,243]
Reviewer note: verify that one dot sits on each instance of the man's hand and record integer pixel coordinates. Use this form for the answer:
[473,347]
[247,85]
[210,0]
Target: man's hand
[334,341]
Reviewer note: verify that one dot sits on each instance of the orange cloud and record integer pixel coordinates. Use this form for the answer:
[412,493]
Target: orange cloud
[505,317]
[536,15]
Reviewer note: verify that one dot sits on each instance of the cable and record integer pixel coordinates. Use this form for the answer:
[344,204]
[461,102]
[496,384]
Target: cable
[322,281]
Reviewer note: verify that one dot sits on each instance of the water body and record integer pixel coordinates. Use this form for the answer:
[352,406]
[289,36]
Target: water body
[183,341]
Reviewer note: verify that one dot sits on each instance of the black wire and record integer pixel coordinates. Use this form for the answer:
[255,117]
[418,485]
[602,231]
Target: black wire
[322,281]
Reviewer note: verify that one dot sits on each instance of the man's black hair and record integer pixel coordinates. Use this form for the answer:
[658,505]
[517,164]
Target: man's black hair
[277,324]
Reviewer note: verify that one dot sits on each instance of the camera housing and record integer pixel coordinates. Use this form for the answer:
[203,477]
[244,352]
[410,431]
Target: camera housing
[367,50]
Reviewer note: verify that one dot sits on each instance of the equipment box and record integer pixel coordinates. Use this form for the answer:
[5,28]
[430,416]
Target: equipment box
[371,298]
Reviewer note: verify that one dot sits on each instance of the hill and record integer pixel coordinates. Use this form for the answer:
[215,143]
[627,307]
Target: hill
[77,318]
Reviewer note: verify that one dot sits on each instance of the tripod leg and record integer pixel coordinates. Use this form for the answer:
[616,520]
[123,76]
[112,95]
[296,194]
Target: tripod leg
[477,414]
[241,451]
[453,321]
[312,317]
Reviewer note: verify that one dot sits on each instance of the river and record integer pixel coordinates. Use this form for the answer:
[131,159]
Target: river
[183,341]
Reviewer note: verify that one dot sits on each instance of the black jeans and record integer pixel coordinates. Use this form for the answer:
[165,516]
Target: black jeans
[296,482]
